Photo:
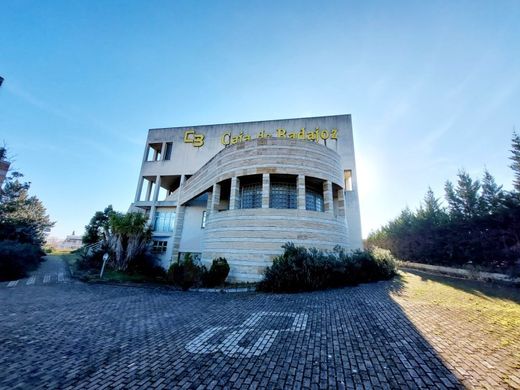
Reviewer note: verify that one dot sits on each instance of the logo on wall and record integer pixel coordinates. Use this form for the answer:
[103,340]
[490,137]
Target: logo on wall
[190,137]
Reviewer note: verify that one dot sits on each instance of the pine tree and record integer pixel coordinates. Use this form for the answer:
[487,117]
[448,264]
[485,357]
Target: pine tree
[464,200]
[492,196]
[22,217]
[515,145]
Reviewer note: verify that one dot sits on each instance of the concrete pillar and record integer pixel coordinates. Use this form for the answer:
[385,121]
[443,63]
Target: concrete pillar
[327,197]
[215,198]
[157,188]
[139,189]
[154,200]
[234,197]
[163,149]
[148,191]
[341,203]
[300,188]
[266,189]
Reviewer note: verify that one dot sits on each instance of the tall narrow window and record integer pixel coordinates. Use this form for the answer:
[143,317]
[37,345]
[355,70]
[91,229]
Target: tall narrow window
[348,179]
[283,196]
[204,216]
[168,151]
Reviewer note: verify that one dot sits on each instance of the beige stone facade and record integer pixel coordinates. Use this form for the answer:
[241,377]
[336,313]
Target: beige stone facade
[242,190]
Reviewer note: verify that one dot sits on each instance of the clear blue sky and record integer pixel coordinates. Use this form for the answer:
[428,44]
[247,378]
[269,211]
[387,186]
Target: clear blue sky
[432,87]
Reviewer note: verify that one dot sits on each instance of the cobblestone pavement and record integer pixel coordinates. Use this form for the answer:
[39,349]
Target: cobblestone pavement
[51,271]
[74,335]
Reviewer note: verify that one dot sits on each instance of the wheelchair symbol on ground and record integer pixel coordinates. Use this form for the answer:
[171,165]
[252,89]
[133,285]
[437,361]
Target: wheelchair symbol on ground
[231,344]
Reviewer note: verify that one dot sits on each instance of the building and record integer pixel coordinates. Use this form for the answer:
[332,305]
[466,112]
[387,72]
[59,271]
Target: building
[71,242]
[242,190]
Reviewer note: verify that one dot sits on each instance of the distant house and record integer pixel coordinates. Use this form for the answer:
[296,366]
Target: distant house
[71,242]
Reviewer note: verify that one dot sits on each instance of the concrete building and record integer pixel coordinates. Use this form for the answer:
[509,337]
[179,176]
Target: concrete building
[242,190]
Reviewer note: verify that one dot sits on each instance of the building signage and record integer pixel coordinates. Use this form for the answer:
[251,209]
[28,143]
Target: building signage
[228,138]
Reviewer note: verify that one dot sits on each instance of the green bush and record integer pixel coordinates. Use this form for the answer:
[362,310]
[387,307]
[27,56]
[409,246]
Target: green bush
[217,274]
[302,269]
[16,259]
[90,261]
[185,274]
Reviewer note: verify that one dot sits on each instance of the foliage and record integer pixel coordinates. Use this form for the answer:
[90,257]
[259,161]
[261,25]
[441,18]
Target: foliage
[217,274]
[90,260]
[98,227]
[515,158]
[479,225]
[17,258]
[302,269]
[186,273]
[128,239]
[23,218]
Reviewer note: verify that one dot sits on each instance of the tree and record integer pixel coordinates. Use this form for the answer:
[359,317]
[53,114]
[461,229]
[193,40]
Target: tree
[515,150]
[98,228]
[23,218]
[492,196]
[464,200]
[129,238]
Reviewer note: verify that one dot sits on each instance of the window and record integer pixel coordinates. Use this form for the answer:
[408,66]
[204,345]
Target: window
[283,196]
[159,246]
[251,196]
[203,223]
[168,151]
[313,200]
[164,221]
[348,179]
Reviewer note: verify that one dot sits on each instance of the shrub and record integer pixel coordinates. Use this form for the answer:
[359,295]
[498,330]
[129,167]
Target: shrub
[217,274]
[90,260]
[16,259]
[185,274]
[146,264]
[302,269]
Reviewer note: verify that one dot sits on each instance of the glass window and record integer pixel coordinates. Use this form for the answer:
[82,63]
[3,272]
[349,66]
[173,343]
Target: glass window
[164,221]
[251,196]
[168,151]
[159,246]
[204,215]
[313,200]
[283,196]
[348,179]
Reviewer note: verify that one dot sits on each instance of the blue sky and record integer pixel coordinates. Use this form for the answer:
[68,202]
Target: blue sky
[432,87]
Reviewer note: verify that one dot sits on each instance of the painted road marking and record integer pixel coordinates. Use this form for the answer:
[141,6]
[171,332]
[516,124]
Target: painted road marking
[47,278]
[12,283]
[31,280]
[230,346]
[60,277]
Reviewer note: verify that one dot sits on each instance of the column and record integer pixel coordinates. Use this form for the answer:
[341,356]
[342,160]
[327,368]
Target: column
[215,198]
[327,197]
[265,190]
[163,149]
[155,197]
[300,188]
[149,191]
[234,197]
[139,189]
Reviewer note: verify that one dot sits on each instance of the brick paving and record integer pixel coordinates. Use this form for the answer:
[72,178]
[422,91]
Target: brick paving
[75,335]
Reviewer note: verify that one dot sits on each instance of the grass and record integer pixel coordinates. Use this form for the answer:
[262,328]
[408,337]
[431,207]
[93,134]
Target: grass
[496,309]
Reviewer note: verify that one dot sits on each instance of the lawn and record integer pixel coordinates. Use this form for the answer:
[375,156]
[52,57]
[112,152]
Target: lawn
[480,320]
